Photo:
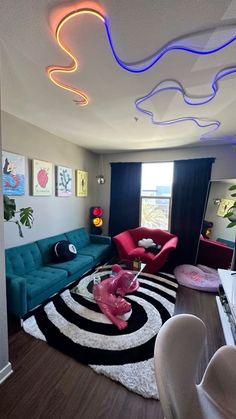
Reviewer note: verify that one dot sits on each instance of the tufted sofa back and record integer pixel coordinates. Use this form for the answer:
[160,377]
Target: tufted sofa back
[46,247]
[79,238]
[23,259]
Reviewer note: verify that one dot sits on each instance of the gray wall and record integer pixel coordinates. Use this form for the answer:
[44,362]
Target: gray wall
[223,168]
[52,215]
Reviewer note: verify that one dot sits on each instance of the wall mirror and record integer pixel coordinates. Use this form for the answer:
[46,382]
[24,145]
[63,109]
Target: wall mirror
[217,242]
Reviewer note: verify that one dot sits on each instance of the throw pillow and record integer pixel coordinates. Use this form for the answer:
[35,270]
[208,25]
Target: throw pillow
[145,243]
[64,251]
[154,248]
[149,245]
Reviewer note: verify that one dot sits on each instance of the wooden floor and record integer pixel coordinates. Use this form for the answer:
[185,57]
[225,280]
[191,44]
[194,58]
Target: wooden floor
[48,384]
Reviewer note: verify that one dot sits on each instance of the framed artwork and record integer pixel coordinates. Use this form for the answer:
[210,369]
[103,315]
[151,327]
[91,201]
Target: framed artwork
[225,205]
[13,174]
[63,181]
[81,183]
[42,178]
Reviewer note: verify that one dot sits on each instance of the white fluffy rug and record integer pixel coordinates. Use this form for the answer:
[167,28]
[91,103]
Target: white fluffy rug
[73,323]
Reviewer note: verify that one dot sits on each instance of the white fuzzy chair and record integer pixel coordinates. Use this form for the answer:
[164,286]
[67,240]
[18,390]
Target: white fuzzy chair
[177,353]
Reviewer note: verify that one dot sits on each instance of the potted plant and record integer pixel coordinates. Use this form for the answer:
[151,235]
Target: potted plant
[21,217]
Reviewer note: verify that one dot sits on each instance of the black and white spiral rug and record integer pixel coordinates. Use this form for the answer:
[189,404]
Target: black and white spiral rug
[73,323]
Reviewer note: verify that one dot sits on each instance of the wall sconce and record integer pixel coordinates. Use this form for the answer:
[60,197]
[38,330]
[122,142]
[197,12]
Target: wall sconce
[217,201]
[100,178]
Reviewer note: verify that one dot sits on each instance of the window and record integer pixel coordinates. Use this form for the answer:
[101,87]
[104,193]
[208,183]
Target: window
[156,189]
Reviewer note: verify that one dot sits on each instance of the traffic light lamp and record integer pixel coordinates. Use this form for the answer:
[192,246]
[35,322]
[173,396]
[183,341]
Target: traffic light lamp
[96,220]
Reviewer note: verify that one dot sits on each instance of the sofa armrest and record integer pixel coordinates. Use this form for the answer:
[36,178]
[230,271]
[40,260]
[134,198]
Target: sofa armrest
[100,239]
[16,295]
[171,244]
[166,248]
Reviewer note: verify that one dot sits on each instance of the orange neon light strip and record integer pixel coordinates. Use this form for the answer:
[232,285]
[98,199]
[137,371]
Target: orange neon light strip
[53,70]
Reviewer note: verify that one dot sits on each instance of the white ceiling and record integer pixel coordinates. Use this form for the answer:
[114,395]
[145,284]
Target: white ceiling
[139,28]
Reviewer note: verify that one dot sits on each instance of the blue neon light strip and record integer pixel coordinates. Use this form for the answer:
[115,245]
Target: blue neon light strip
[171,46]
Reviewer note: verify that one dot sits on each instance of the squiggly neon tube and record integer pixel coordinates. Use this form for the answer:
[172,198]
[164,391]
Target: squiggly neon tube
[52,70]
[173,85]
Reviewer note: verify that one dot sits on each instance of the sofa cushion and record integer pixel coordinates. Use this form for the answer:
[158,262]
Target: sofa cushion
[143,254]
[96,251]
[79,237]
[43,279]
[23,259]
[80,263]
[46,246]
[228,243]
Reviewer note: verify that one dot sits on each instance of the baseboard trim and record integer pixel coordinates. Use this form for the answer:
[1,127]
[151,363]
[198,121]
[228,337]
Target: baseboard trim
[5,372]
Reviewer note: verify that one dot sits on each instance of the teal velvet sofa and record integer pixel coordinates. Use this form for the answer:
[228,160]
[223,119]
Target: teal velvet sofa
[32,276]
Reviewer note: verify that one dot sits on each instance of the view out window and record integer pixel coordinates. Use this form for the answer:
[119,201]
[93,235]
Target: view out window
[156,188]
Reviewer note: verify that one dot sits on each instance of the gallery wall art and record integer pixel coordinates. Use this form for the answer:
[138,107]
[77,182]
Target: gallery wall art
[63,181]
[13,174]
[42,178]
[225,205]
[81,183]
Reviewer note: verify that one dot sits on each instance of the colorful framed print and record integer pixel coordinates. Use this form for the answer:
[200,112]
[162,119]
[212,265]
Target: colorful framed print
[81,183]
[42,178]
[63,181]
[13,174]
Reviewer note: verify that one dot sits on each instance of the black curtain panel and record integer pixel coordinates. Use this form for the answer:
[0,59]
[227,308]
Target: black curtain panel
[190,188]
[124,197]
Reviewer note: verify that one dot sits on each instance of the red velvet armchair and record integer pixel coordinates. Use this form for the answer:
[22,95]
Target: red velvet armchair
[128,249]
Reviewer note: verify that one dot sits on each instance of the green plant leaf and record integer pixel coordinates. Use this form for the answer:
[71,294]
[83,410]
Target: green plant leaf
[9,207]
[232,224]
[26,216]
[229,214]
[232,187]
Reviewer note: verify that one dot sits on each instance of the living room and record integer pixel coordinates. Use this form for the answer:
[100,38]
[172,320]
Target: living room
[26,136]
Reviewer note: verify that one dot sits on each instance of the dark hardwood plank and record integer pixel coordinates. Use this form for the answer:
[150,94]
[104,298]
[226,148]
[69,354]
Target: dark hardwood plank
[48,384]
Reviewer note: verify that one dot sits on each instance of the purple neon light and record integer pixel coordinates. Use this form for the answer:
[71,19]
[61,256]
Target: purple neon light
[168,85]
[175,85]
[200,122]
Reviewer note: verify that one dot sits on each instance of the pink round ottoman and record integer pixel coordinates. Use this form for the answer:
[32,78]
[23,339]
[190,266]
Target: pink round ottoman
[198,277]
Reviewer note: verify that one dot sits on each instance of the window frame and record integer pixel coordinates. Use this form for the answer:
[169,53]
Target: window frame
[168,197]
